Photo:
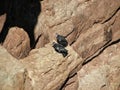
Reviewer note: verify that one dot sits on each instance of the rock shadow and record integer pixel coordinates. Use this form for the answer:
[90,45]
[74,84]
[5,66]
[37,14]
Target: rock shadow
[21,13]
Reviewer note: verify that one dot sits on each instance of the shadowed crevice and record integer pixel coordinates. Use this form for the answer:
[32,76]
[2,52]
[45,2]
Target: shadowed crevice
[99,52]
[21,13]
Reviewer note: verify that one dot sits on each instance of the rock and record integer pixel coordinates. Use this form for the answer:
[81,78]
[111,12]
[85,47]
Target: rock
[42,40]
[116,26]
[11,72]
[90,26]
[103,72]
[72,84]
[2,21]
[88,31]
[17,42]
[87,45]
[59,16]
[47,69]
[92,40]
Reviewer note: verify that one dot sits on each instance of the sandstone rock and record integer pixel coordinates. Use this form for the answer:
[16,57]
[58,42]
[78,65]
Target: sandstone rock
[42,40]
[102,73]
[70,18]
[87,44]
[17,42]
[72,84]
[11,72]
[2,21]
[92,40]
[47,69]
[116,27]
[89,25]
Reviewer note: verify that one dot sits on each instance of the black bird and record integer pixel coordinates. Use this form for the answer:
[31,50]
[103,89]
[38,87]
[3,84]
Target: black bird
[60,49]
[61,40]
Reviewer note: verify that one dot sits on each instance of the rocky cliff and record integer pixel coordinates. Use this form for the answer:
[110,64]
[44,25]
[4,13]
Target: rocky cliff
[29,62]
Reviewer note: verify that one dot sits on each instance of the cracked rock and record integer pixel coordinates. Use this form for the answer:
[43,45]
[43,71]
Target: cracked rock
[17,42]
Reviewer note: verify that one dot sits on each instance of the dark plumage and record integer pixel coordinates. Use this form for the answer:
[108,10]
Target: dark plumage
[61,40]
[60,49]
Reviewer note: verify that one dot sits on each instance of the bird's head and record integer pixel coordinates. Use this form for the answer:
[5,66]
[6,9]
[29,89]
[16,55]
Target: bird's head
[56,34]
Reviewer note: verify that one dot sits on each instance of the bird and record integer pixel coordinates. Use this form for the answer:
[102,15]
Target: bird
[61,40]
[60,49]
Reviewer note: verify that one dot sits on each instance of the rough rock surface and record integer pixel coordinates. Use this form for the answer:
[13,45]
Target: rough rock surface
[72,84]
[47,69]
[103,72]
[89,31]
[11,72]
[17,42]
[2,21]
[72,18]
[90,27]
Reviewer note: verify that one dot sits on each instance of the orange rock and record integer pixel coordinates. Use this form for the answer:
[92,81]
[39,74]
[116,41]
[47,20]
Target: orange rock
[17,42]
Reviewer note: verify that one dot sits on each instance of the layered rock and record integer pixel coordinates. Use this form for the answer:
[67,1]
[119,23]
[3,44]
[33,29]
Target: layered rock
[47,69]
[17,42]
[103,72]
[72,18]
[90,27]
[72,83]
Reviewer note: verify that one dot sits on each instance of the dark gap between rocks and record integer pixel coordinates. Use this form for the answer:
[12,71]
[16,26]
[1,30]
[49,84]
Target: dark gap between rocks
[21,13]
[65,82]
[111,16]
[112,43]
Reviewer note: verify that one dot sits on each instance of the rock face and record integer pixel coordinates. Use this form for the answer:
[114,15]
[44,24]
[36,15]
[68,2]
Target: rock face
[88,31]
[73,18]
[103,72]
[92,28]
[47,69]
[11,72]
[2,21]
[17,42]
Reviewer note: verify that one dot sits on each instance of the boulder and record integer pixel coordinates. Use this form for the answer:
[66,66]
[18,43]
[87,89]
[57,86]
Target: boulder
[48,69]
[11,72]
[17,42]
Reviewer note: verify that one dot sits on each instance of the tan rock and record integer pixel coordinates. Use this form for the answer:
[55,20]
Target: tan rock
[90,25]
[116,27]
[17,42]
[11,72]
[96,38]
[2,21]
[42,40]
[102,73]
[47,69]
[92,40]
[72,84]
[71,18]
